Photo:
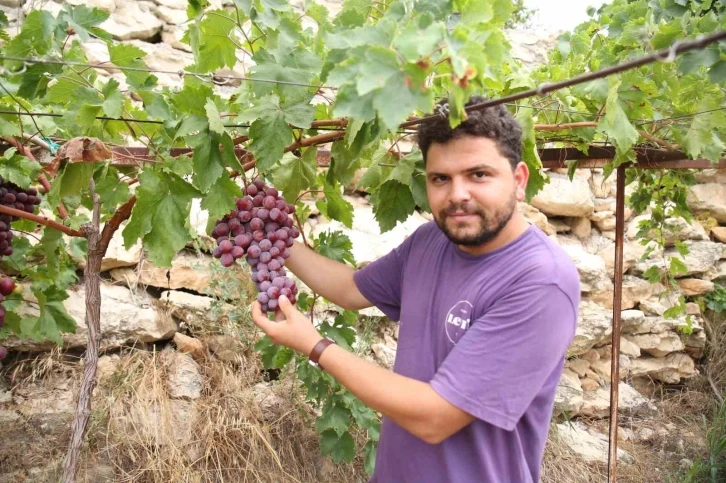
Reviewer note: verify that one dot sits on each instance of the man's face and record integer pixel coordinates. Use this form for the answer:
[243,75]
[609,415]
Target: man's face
[472,189]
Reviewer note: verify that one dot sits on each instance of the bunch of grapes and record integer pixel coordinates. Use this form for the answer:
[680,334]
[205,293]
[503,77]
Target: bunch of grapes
[7,286]
[260,228]
[13,196]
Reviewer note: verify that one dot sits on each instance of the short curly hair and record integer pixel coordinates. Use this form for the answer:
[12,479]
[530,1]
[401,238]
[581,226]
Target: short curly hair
[495,123]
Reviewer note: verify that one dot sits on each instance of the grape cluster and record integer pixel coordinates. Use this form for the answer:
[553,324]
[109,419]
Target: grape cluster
[7,286]
[13,196]
[260,228]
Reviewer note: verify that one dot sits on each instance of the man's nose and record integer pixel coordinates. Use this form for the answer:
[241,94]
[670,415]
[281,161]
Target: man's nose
[459,191]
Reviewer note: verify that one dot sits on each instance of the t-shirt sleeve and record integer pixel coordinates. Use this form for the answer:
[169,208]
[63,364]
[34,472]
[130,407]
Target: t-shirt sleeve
[381,280]
[504,359]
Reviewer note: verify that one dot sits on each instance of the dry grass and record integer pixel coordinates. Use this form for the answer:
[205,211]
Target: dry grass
[234,432]
[561,465]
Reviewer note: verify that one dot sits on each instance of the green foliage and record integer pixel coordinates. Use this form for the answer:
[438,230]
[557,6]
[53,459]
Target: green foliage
[716,300]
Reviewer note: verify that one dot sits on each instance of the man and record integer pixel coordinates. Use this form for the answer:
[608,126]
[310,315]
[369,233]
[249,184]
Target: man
[487,306]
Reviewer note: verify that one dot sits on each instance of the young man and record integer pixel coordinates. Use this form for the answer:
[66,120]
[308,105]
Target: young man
[487,305]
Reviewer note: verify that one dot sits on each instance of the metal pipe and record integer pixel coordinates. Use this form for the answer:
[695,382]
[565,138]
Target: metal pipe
[617,304]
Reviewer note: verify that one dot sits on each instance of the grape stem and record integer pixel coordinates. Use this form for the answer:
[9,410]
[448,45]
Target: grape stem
[41,220]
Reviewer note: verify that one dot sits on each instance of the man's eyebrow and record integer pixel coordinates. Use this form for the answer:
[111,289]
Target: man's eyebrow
[479,167]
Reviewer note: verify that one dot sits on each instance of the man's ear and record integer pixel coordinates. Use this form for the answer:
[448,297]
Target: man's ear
[521,177]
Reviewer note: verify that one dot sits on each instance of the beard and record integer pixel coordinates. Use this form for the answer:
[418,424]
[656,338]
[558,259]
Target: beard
[479,232]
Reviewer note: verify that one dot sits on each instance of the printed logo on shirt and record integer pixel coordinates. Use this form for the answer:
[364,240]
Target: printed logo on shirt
[458,320]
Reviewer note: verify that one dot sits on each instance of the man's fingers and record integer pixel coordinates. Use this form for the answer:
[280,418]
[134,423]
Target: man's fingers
[285,305]
[260,319]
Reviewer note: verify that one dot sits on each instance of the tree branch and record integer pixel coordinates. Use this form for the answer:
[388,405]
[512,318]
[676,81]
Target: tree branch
[41,220]
[557,127]
[659,141]
[112,225]
[92,277]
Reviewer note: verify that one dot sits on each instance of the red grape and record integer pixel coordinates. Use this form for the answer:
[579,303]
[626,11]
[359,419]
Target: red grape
[238,252]
[227,260]
[226,246]
[252,190]
[3,352]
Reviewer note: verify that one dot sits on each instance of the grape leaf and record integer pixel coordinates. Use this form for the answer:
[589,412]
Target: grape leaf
[215,48]
[82,18]
[615,122]
[474,11]
[220,199]
[18,169]
[717,73]
[418,190]
[339,448]
[294,175]
[215,121]
[161,215]
[404,168]
[335,417]
[36,34]
[335,245]
[208,164]
[126,55]
[530,154]
[53,318]
[701,138]
[269,138]
[393,202]
[335,206]
[51,240]
[273,356]
[114,100]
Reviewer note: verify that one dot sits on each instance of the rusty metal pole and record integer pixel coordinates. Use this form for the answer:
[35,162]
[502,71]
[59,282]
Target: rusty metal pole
[617,304]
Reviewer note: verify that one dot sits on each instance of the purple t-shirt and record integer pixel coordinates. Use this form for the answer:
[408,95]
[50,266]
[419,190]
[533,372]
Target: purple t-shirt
[490,333]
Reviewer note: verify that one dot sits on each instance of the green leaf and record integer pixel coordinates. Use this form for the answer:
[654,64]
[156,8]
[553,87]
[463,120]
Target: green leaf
[717,72]
[336,246]
[216,50]
[418,190]
[474,11]
[82,18]
[335,417]
[530,154]
[126,55]
[161,215]
[690,62]
[615,122]
[269,138]
[701,138]
[396,100]
[677,267]
[404,168]
[208,164]
[392,203]
[114,100]
[335,206]
[51,240]
[8,128]
[273,356]
[379,65]
[220,199]
[36,35]
[294,175]
[215,121]
[18,169]
[340,448]
[112,191]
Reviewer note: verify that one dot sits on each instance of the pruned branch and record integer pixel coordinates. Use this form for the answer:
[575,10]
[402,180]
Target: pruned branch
[659,141]
[121,215]
[557,127]
[41,220]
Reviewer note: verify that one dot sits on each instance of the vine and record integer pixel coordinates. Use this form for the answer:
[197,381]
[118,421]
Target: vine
[350,82]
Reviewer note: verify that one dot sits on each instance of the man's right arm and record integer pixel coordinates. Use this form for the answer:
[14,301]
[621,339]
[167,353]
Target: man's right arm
[330,278]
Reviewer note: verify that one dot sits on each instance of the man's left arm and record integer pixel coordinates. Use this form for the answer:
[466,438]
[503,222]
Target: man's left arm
[410,403]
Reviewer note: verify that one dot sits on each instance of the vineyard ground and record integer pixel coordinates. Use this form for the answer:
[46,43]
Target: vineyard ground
[153,421]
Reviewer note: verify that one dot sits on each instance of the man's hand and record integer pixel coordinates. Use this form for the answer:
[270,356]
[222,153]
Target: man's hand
[291,328]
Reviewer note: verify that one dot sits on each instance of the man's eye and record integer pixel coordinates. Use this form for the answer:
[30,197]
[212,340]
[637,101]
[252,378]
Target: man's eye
[480,175]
